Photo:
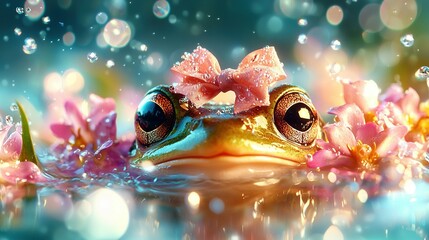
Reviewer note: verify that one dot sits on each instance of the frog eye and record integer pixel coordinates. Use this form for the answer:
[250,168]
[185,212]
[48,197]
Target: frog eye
[154,118]
[296,118]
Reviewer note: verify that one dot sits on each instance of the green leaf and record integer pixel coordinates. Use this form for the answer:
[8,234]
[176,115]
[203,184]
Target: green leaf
[27,152]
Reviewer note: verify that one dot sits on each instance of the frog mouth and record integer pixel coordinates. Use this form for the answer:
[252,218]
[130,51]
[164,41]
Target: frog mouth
[226,166]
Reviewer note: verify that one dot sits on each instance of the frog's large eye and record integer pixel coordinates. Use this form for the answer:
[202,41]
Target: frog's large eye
[296,118]
[154,118]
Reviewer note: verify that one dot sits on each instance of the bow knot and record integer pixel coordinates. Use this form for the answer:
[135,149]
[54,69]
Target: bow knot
[202,78]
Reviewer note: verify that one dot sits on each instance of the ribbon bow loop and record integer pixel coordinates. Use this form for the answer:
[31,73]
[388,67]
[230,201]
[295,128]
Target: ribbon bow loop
[202,78]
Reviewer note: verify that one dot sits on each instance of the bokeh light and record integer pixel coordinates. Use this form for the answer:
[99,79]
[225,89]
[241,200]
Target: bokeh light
[398,15]
[117,33]
[34,9]
[334,15]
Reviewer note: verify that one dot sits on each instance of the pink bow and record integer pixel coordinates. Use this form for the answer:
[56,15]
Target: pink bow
[202,78]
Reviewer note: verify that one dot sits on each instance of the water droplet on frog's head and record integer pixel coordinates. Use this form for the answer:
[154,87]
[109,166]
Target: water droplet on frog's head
[407,40]
[9,120]
[422,73]
[13,107]
[29,46]
[302,38]
[335,44]
[161,8]
[92,57]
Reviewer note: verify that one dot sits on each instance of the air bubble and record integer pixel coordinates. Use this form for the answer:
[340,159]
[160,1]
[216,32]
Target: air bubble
[336,45]
[20,10]
[302,22]
[92,57]
[29,46]
[13,107]
[9,120]
[422,73]
[302,39]
[101,18]
[17,31]
[407,40]
[161,8]
[46,20]
[110,63]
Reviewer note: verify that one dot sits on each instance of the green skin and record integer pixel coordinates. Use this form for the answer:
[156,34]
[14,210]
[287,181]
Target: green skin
[203,138]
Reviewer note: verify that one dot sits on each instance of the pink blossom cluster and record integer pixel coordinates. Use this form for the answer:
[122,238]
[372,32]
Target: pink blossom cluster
[372,130]
[13,171]
[89,144]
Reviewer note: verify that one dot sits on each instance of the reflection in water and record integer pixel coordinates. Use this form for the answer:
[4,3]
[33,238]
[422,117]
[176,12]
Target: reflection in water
[295,205]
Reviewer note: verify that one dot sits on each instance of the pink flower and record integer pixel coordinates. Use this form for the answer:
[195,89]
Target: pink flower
[354,144]
[10,142]
[11,169]
[89,142]
[363,93]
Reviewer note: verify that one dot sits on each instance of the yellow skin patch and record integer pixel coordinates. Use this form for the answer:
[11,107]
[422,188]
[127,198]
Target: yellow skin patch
[212,138]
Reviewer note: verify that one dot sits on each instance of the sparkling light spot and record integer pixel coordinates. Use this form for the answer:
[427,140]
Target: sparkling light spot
[333,232]
[17,31]
[302,39]
[104,214]
[110,63]
[362,195]
[334,15]
[398,15]
[30,46]
[161,8]
[117,33]
[407,40]
[46,20]
[336,45]
[147,166]
[302,22]
[193,200]
[332,177]
[92,57]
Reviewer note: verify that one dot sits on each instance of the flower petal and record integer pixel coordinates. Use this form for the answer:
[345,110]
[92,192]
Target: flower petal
[367,133]
[393,93]
[106,129]
[349,114]
[100,108]
[410,103]
[13,145]
[326,158]
[340,136]
[61,130]
[387,140]
[363,93]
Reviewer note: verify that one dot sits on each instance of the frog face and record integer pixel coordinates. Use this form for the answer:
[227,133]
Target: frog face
[174,136]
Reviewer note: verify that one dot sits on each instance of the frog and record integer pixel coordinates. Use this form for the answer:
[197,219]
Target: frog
[174,136]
